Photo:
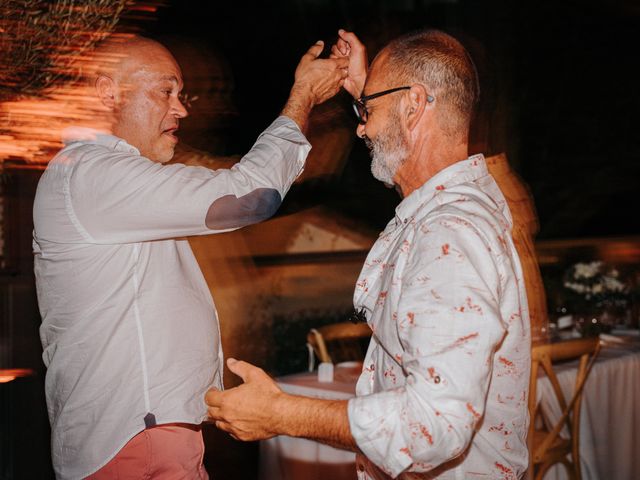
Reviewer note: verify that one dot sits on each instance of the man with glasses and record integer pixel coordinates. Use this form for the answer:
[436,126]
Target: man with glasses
[443,391]
[129,329]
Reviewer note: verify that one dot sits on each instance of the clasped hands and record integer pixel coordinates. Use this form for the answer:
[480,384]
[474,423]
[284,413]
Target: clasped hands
[318,79]
[346,67]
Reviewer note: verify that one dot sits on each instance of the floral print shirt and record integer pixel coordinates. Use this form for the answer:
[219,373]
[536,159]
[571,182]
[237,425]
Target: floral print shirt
[443,392]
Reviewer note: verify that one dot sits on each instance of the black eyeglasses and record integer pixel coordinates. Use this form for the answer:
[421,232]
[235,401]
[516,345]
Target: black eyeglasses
[360,105]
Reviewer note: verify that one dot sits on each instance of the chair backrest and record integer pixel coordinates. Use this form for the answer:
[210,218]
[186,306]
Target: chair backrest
[546,446]
[344,340]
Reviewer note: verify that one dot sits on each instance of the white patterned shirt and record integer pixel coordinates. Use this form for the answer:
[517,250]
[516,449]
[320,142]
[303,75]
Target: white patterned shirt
[129,329]
[444,386]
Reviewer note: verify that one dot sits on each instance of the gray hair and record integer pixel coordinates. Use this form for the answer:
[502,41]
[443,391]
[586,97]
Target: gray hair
[440,62]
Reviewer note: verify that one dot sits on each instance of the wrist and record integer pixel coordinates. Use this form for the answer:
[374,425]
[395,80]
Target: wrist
[285,424]
[298,106]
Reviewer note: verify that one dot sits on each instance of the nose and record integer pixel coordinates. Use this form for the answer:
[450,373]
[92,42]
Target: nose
[360,130]
[178,109]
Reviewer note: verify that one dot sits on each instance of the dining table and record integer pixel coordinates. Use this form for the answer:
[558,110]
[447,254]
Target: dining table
[289,458]
[609,414]
[609,421]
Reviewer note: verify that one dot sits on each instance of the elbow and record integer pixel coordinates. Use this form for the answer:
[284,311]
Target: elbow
[267,205]
[427,456]
[436,435]
[230,212]
[439,456]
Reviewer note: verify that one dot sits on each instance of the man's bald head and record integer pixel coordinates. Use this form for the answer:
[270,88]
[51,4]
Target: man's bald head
[138,81]
[120,55]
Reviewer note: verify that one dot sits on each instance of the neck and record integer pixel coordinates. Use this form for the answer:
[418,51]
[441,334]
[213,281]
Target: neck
[425,161]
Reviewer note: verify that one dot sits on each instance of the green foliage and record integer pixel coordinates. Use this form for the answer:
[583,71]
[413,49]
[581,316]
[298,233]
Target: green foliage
[41,40]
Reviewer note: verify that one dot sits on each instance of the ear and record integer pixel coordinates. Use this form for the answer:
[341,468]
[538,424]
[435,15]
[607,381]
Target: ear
[419,102]
[106,89]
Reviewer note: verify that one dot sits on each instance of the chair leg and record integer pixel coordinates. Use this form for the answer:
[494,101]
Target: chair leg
[542,470]
[571,470]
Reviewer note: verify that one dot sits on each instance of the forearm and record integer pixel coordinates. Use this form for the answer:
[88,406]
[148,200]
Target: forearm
[298,108]
[325,421]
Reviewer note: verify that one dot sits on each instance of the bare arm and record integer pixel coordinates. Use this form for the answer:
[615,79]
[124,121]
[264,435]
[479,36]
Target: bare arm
[258,409]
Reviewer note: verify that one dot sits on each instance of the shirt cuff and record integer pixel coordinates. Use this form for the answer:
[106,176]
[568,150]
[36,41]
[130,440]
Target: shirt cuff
[375,433]
[286,129]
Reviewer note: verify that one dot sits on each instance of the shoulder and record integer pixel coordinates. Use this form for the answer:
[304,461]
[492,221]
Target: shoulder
[468,212]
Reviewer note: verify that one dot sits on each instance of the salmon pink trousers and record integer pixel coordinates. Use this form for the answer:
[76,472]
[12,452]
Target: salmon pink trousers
[171,451]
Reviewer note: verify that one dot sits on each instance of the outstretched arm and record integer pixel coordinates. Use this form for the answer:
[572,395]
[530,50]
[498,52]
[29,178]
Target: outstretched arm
[258,409]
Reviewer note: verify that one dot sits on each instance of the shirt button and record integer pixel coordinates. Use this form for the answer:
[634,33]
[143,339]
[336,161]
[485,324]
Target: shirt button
[361,467]
[436,379]
[405,220]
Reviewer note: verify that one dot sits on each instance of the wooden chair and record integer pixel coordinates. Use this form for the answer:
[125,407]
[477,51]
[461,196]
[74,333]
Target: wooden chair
[546,446]
[345,340]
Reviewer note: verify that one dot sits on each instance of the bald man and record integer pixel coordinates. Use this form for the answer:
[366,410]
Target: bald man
[129,329]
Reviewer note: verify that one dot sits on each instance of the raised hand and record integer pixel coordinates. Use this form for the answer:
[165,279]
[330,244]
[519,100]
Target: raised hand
[316,80]
[349,46]
[322,78]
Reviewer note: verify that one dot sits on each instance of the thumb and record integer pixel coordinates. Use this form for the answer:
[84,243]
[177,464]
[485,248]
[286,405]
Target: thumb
[240,368]
[315,50]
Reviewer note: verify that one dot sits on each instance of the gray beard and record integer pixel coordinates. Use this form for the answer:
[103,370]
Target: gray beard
[388,153]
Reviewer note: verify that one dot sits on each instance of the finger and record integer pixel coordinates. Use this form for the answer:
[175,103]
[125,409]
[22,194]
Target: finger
[213,397]
[342,46]
[315,50]
[349,37]
[214,414]
[356,47]
[240,368]
[341,62]
[222,425]
[336,52]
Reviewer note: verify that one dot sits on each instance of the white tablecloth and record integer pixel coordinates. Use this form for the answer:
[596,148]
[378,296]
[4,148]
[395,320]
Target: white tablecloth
[609,428]
[610,415]
[287,458]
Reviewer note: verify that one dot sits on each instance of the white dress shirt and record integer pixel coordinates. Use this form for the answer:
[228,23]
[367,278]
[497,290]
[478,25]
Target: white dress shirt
[444,386]
[129,329]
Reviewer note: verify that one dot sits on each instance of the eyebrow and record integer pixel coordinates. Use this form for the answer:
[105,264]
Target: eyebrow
[171,78]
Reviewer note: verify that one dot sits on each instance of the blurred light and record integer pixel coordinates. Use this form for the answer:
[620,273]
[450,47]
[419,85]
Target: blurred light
[9,375]
[45,51]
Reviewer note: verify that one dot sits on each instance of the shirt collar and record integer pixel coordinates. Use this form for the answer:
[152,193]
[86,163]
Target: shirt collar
[99,137]
[464,171]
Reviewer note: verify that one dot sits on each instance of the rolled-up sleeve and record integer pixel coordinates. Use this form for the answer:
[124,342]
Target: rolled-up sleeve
[120,197]
[449,325]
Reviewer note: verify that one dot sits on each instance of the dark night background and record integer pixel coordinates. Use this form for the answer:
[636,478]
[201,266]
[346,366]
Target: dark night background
[559,95]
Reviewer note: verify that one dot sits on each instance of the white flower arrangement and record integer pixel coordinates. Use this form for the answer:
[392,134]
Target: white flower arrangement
[595,285]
